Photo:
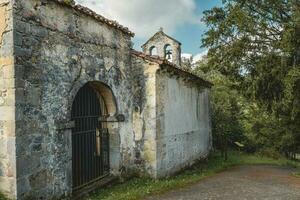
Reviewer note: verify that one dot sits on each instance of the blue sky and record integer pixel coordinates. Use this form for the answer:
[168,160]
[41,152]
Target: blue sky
[189,34]
[179,18]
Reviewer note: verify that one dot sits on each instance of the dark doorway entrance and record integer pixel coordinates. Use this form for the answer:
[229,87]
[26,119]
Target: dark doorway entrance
[90,138]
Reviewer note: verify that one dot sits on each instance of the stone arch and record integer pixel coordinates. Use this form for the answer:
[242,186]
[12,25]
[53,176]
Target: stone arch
[102,89]
[109,110]
[153,51]
[107,95]
[168,52]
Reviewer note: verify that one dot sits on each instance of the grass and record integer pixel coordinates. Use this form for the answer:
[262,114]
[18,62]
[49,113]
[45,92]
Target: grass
[297,174]
[139,188]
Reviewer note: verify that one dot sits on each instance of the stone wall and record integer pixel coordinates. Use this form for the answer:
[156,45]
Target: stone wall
[183,123]
[144,115]
[174,120]
[8,88]
[59,50]
[48,51]
[160,40]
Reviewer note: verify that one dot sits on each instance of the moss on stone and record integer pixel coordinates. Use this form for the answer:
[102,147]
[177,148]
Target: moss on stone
[69,2]
[2,197]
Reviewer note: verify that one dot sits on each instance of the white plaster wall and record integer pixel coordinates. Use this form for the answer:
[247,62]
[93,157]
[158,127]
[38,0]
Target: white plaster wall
[184,122]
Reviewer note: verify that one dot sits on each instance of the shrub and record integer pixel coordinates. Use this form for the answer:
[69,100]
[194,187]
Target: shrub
[270,152]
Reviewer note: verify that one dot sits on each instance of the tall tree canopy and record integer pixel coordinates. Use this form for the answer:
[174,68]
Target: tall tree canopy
[257,44]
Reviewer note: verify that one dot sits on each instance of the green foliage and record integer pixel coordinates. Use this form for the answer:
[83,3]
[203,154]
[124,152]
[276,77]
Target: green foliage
[226,108]
[297,174]
[256,45]
[140,188]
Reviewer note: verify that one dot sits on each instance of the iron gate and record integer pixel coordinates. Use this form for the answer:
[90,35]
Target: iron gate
[90,139]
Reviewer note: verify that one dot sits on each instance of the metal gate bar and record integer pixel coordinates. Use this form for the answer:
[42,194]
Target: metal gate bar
[88,165]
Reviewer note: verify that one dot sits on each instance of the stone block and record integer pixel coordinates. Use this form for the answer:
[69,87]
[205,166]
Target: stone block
[6,61]
[18,39]
[39,180]
[34,96]
[7,186]
[7,97]
[21,52]
[7,83]
[3,23]
[27,165]
[7,72]
[24,182]
[7,113]
[3,148]
[7,128]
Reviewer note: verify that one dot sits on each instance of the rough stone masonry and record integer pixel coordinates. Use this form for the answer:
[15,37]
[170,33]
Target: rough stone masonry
[157,115]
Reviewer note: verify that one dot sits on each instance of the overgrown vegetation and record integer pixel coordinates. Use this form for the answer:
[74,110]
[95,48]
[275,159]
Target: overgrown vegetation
[254,62]
[297,174]
[139,188]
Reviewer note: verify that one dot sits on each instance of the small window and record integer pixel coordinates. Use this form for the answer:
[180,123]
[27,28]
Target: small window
[168,53]
[153,51]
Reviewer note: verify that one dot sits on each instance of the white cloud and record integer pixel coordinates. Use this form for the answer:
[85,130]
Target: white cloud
[144,17]
[200,56]
[186,56]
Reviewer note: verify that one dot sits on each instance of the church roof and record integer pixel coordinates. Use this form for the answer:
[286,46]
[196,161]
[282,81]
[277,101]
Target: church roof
[163,63]
[96,16]
[162,33]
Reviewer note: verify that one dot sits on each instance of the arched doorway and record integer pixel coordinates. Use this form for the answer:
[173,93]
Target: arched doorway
[90,138]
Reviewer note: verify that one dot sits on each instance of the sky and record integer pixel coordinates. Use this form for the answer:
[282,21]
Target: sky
[180,19]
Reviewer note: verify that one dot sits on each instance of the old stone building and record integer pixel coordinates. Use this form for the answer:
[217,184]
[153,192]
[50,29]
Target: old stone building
[78,106]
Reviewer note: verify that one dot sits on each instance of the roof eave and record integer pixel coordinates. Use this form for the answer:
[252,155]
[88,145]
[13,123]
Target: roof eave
[96,16]
[163,63]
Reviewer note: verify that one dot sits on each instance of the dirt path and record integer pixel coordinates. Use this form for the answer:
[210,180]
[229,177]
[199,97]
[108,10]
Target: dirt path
[242,183]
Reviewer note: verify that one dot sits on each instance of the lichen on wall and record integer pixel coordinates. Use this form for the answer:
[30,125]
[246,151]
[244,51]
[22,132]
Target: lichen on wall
[60,57]
[49,51]
[7,102]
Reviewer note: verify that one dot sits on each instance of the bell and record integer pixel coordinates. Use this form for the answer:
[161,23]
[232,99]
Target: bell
[169,53]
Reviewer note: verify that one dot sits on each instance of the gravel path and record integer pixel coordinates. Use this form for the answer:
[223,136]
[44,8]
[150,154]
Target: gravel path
[242,183]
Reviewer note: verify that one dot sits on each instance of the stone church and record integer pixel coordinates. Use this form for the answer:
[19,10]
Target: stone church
[79,106]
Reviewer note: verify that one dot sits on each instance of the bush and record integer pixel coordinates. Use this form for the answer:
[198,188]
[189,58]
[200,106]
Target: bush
[270,152]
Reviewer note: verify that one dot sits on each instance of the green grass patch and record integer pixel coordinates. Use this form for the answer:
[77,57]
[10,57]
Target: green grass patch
[139,188]
[297,174]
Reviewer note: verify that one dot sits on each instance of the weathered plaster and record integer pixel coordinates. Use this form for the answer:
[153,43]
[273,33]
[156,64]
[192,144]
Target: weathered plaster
[183,123]
[49,51]
[3,24]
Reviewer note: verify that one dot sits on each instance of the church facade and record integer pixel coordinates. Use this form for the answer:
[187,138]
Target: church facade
[79,106]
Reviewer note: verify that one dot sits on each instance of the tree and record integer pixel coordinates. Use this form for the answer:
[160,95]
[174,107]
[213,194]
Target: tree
[226,109]
[257,44]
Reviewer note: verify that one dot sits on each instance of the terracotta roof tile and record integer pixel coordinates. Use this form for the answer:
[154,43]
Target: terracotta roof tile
[166,64]
[96,16]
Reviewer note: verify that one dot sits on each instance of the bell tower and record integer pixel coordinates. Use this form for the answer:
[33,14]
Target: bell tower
[164,46]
